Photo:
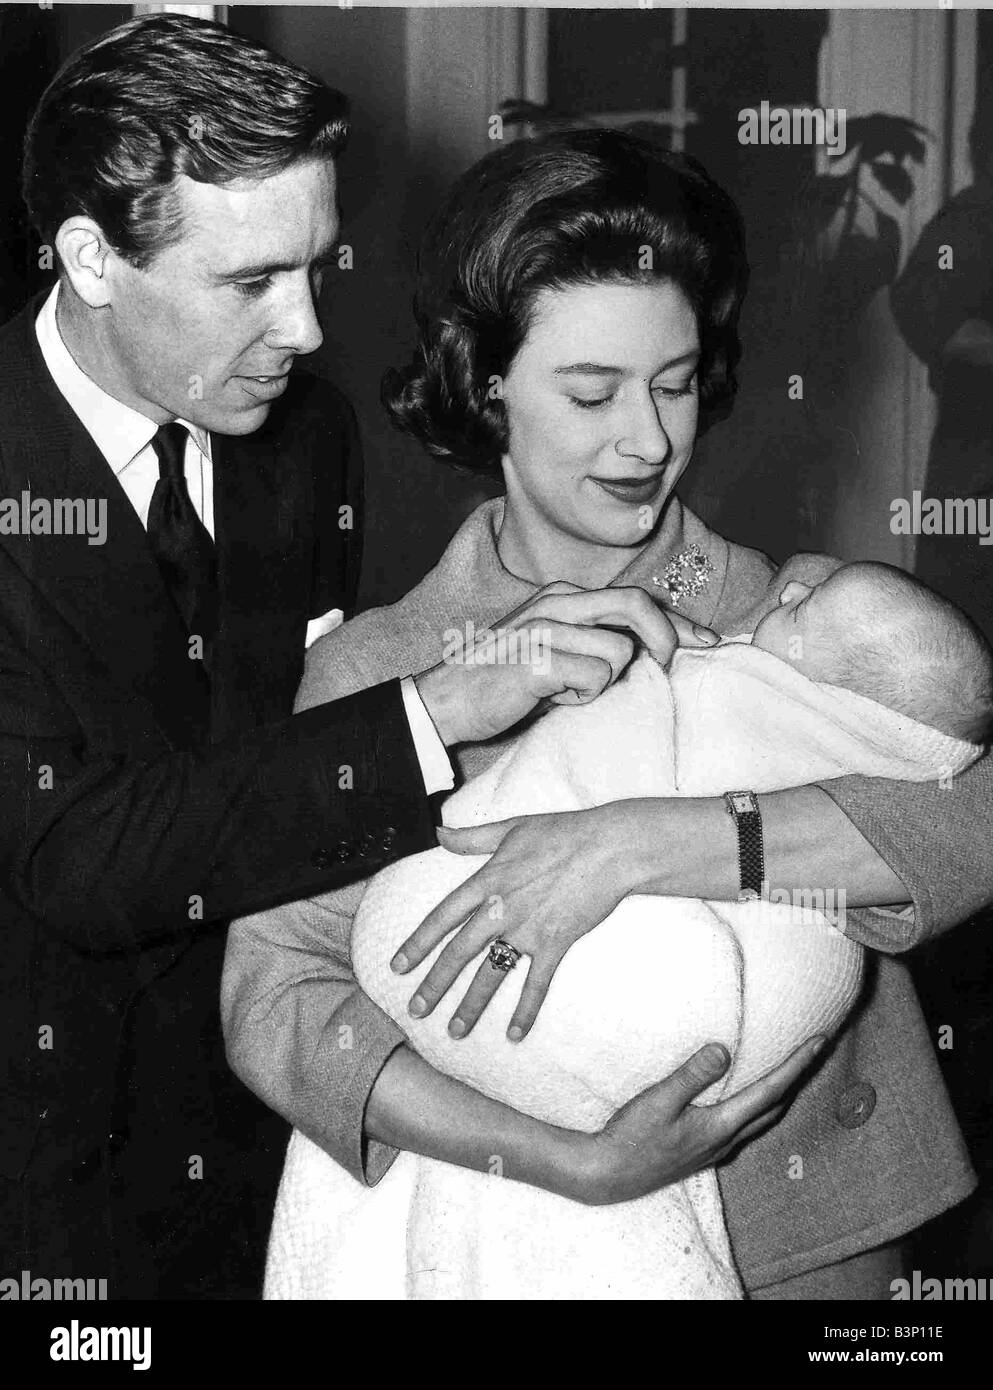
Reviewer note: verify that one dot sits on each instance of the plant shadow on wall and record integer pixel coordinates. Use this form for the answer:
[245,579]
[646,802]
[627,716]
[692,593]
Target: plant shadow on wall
[769,475]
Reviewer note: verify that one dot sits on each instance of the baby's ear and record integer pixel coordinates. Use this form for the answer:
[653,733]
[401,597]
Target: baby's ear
[794,589]
[804,568]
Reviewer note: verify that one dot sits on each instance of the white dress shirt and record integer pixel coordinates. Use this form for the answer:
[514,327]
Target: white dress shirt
[124,438]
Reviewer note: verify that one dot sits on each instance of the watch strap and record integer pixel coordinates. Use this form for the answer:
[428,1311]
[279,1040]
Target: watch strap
[743,807]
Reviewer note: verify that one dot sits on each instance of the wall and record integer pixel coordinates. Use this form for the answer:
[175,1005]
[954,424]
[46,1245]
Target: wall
[413,503]
[893,62]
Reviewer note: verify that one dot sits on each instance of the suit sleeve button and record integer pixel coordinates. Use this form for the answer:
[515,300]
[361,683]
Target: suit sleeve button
[856,1105]
[322,859]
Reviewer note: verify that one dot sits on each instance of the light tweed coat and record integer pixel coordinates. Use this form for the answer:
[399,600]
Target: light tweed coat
[881,1151]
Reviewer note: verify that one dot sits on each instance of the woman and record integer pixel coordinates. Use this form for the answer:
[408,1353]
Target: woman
[577,306]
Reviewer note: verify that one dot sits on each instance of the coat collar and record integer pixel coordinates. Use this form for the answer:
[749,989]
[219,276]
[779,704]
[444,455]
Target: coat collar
[679,531]
[471,584]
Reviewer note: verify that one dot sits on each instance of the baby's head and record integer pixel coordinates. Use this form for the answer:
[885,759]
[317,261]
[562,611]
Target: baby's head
[876,631]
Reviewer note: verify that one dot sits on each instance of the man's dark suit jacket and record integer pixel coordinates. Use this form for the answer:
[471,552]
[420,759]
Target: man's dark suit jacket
[127,1149]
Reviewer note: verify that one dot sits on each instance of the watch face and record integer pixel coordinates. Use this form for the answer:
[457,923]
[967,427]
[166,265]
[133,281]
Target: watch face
[742,802]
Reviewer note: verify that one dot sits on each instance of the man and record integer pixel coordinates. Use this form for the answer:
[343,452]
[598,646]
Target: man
[153,783]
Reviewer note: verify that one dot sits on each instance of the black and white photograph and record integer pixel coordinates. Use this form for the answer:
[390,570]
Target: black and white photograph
[496,665]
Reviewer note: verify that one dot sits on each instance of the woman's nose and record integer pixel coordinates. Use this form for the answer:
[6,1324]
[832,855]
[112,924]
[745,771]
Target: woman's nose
[643,435]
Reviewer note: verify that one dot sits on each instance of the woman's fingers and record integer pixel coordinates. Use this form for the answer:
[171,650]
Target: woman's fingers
[767,1093]
[486,981]
[476,839]
[697,1073]
[765,1121]
[663,1103]
[532,997]
[450,913]
[485,984]
[466,944]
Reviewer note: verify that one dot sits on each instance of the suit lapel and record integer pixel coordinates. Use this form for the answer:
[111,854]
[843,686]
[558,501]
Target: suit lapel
[262,522]
[111,594]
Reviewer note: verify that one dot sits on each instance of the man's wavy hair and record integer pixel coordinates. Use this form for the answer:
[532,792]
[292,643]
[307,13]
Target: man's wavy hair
[576,207]
[159,97]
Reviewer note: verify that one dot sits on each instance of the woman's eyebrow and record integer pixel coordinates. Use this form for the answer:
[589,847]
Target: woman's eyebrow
[600,369]
[587,369]
[691,355]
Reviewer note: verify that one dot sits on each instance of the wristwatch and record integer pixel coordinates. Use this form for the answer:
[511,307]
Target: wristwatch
[743,807]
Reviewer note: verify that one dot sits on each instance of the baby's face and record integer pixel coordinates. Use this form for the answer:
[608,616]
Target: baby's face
[804,629]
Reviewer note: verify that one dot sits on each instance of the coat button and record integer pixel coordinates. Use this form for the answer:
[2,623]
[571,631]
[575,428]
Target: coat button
[344,851]
[322,859]
[856,1105]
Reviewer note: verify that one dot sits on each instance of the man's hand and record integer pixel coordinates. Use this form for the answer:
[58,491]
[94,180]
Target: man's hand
[660,1137]
[563,645]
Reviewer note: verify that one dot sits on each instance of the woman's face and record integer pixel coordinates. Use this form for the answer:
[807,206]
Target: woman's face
[601,407]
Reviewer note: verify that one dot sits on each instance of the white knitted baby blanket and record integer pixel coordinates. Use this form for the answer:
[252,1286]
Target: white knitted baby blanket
[630,1002]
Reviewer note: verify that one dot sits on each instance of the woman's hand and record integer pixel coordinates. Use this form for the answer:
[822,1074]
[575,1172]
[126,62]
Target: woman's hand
[661,1137]
[552,878]
[657,1138]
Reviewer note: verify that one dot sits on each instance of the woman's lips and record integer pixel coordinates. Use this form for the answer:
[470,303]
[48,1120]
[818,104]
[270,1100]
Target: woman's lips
[634,490]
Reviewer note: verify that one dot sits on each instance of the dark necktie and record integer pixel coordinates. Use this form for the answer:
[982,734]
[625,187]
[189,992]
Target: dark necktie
[180,542]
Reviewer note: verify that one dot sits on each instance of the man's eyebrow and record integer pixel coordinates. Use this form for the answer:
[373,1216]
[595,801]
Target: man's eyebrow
[601,369]
[261,268]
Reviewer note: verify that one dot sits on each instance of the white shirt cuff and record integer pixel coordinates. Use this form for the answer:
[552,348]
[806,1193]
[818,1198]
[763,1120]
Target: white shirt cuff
[436,769]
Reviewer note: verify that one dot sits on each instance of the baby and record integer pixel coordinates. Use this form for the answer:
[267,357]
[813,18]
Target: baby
[877,632]
[866,672]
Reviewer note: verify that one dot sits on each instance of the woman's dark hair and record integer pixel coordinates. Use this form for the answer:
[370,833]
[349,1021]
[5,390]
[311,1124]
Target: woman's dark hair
[571,208]
[158,97]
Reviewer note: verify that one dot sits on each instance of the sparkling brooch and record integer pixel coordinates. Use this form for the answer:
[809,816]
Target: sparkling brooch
[685,575]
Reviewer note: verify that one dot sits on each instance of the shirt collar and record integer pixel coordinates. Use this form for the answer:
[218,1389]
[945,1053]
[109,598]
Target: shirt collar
[119,432]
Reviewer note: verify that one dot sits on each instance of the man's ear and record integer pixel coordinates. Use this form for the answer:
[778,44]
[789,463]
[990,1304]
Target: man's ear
[85,254]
